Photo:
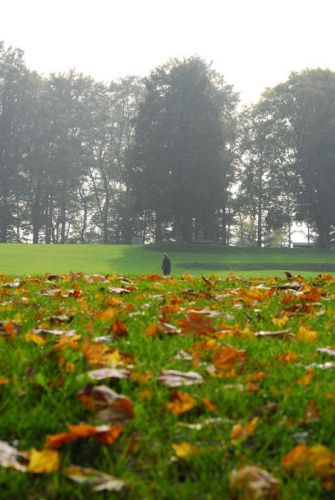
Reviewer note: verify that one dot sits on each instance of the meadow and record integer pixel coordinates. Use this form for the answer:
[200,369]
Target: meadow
[20,259]
[129,385]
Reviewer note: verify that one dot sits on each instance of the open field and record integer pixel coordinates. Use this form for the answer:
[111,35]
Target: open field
[129,259]
[260,395]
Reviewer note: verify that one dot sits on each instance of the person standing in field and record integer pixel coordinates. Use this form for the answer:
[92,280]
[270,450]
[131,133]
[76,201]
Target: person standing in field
[166,265]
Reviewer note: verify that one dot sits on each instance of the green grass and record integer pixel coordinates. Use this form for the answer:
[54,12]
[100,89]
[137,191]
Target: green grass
[19,259]
[41,396]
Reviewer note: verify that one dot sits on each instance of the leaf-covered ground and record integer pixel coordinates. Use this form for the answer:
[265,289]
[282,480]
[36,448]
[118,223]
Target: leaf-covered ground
[146,387]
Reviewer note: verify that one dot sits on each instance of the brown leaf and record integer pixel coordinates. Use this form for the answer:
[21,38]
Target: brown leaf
[250,482]
[311,414]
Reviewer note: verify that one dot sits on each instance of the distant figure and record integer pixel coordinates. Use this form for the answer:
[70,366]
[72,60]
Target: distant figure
[166,265]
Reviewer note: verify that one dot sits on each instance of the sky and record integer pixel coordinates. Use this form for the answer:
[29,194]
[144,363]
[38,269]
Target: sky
[253,43]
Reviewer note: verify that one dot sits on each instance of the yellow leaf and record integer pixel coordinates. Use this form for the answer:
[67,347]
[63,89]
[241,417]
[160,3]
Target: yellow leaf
[33,337]
[184,450]
[43,462]
[280,321]
[306,335]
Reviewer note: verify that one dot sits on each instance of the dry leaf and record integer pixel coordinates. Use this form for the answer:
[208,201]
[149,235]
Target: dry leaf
[43,462]
[250,482]
[287,333]
[105,373]
[175,378]
[241,432]
[184,450]
[99,481]
[306,335]
[33,337]
[12,458]
[180,403]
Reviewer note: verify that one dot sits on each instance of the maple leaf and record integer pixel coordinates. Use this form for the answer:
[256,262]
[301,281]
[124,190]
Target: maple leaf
[196,322]
[227,356]
[43,462]
[180,403]
[250,482]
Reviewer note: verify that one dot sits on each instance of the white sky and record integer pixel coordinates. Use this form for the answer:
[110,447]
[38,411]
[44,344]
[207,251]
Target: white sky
[253,43]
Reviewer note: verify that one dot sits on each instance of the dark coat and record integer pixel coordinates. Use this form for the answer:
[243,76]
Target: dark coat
[166,265]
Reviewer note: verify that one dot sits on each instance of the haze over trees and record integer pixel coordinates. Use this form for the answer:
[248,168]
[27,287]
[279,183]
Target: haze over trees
[168,157]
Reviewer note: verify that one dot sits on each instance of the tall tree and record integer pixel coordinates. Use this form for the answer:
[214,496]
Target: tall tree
[305,107]
[179,147]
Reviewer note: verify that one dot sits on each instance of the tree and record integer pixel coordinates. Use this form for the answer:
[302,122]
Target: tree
[305,107]
[178,160]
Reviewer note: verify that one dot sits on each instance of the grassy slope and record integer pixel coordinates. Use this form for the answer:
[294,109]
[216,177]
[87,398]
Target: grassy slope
[128,259]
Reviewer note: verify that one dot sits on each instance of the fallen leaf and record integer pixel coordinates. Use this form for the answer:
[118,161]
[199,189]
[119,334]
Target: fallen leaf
[12,458]
[104,434]
[33,337]
[180,403]
[99,481]
[184,450]
[43,462]
[250,482]
[287,333]
[305,334]
[326,350]
[175,378]
[45,331]
[241,432]
[105,373]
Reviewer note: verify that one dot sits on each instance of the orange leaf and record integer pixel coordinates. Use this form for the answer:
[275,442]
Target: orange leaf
[209,405]
[242,432]
[306,378]
[109,437]
[287,357]
[180,403]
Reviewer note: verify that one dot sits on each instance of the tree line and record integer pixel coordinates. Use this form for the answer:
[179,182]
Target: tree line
[170,157]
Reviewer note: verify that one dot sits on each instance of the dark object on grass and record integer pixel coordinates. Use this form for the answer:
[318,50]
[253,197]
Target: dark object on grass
[166,265]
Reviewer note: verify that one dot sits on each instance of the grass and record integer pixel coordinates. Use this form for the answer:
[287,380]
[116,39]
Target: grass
[19,259]
[291,402]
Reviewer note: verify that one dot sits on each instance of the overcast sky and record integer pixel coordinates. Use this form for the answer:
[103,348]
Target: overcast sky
[253,43]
